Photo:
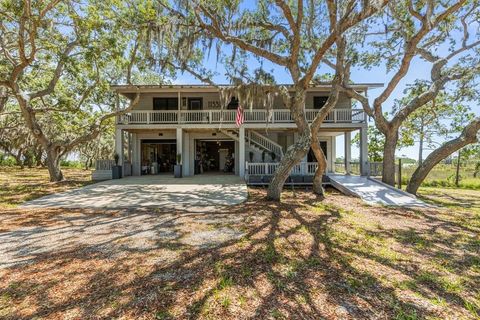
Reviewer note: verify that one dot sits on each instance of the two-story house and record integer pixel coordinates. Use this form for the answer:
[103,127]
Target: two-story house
[188,120]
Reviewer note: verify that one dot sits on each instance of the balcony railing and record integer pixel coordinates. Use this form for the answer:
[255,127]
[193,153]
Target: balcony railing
[269,168]
[228,116]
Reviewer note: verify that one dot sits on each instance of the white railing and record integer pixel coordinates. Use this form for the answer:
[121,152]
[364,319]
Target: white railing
[228,116]
[104,164]
[268,168]
[264,143]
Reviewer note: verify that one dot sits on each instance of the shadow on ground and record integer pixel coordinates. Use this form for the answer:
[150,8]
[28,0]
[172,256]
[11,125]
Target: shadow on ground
[304,259]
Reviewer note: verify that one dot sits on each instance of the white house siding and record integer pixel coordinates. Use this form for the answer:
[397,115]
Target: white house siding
[211,100]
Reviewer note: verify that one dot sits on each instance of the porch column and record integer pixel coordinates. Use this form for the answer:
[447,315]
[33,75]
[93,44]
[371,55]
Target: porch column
[135,155]
[119,145]
[186,161]
[241,151]
[348,151]
[180,142]
[364,165]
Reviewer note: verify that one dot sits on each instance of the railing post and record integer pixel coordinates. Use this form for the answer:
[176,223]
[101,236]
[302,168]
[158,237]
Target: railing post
[210,116]
[266,169]
[335,116]
[148,117]
[400,173]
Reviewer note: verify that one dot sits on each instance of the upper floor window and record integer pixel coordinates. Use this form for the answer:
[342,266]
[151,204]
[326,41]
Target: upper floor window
[195,103]
[319,102]
[165,103]
[233,104]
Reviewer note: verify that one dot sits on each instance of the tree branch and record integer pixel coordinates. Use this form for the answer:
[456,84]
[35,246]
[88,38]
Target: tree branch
[215,29]
[57,73]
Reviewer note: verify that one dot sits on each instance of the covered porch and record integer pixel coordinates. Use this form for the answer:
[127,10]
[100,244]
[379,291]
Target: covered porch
[139,149]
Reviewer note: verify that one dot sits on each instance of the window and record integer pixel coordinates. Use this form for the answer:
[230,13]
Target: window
[165,103]
[233,104]
[319,102]
[195,103]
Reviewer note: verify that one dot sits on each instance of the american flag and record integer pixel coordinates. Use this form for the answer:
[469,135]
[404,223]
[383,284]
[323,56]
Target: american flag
[239,119]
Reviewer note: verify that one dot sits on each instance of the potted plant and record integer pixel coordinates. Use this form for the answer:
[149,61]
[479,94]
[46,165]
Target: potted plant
[116,169]
[177,169]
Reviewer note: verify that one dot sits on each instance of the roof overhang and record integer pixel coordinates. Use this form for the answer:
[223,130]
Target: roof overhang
[128,89]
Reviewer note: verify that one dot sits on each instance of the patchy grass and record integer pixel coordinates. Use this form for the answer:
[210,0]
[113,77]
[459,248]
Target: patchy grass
[302,259]
[17,186]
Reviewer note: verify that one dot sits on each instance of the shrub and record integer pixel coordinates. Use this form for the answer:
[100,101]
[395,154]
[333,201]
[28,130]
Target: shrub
[7,161]
[71,164]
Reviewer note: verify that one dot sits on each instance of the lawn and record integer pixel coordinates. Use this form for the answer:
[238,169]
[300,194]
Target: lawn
[17,186]
[303,259]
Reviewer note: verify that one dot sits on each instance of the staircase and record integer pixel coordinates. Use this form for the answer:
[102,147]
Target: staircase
[256,141]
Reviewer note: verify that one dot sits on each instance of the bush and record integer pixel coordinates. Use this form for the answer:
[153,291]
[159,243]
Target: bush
[7,161]
[71,164]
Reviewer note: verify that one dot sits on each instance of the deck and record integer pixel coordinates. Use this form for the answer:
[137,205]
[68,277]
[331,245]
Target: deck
[255,116]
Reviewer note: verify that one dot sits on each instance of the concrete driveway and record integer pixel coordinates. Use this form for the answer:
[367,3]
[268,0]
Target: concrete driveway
[193,194]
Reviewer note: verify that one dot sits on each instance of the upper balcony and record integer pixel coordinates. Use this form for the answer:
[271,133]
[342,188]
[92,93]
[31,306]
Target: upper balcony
[255,116]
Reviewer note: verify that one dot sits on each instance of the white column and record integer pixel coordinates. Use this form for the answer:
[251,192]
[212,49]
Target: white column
[333,157]
[119,145]
[186,155]
[348,151]
[136,170]
[180,142]
[237,158]
[241,152]
[179,105]
[364,166]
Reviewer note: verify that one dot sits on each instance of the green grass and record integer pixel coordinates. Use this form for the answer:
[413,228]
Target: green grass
[18,186]
[443,176]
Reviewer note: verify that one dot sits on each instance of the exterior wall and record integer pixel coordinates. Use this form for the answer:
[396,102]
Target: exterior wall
[211,100]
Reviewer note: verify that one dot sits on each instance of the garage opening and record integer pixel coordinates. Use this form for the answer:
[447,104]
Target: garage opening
[214,156]
[158,156]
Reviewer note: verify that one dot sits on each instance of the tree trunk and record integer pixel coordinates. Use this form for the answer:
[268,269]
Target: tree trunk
[457,171]
[295,152]
[53,165]
[468,136]
[420,148]
[18,159]
[29,158]
[38,156]
[321,168]
[391,139]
